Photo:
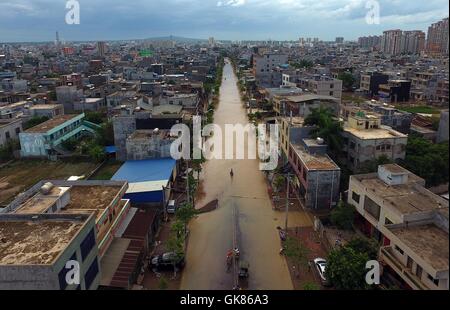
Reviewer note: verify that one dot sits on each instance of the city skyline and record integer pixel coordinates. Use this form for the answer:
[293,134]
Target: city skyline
[37,20]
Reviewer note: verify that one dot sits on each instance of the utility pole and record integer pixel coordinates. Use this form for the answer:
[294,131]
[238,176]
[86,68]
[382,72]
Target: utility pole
[288,178]
[187,183]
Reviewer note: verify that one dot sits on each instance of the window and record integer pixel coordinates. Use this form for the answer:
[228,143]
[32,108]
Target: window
[388,221]
[18,130]
[91,273]
[419,271]
[87,244]
[62,274]
[331,85]
[8,136]
[355,197]
[399,250]
[435,281]
[372,208]
[331,93]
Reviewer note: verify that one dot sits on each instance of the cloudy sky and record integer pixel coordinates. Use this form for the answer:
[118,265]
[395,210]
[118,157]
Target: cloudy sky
[37,20]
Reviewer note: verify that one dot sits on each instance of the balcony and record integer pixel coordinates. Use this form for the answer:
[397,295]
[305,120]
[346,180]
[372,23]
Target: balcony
[389,258]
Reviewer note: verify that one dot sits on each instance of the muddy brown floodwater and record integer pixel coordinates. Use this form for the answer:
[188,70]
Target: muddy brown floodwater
[245,216]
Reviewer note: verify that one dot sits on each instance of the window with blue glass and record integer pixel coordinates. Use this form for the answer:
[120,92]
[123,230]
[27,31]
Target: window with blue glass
[63,272]
[91,273]
[87,245]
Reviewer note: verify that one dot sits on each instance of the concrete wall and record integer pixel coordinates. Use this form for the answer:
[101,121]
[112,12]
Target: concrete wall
[10,128]
[124,126]
[443,128]
[323,189]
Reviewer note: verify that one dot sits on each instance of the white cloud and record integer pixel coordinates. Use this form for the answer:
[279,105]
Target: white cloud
[234,3]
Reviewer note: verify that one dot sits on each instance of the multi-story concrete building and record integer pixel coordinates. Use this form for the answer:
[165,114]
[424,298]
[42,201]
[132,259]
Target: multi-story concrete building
[44,140]
[317,177]
[410,222]
[47,110]
[395,91]
[14,85]
[437,39]
[68,96]
[316,84]
[391,42]
[9,130]
[365,139]
[102,198]
[264,63]
[303,104]
[371,81]
[149,144]
[390,116]
[126,125]
[35,249]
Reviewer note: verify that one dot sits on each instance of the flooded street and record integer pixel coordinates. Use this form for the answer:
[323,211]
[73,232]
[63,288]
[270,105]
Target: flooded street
[245,216]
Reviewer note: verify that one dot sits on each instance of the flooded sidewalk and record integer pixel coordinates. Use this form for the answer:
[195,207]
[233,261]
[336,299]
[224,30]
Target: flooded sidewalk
[245,213]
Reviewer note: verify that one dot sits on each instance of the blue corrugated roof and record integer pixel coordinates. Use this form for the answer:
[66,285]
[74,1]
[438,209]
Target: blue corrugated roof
[145,170]
[111,149]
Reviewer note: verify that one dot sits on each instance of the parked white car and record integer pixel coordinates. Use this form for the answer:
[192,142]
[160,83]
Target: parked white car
[320,265]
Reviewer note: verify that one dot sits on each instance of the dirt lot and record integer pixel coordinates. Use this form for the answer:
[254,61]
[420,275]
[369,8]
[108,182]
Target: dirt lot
[304,275]
[21,175]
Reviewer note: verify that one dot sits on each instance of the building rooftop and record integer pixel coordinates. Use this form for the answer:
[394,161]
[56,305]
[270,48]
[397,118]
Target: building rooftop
[310,97]
[45,106]
[6,122]
[429,242]
[36,240]
[83,197]
[314,161]
[408,198]
[51,123]
[383,132]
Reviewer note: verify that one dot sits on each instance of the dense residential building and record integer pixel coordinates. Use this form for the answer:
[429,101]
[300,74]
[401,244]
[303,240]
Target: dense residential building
[395,42]
[302,105]
[370,42]
[437,38]
[365,139]
[409,221]
[264,64]
[395,91]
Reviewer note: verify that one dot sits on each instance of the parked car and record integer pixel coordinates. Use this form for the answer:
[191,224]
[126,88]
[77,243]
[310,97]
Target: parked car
[171,207]
[167,261]
[320,265]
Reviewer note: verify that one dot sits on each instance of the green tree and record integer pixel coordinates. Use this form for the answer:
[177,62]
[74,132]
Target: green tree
[278,183]
[96,152]
[163,284]
[70,144]
[343,216]
[364,245]
[7,150]
[371,166]
[34,121]
[95,117]
[311,286]
[186,213]
[175,245]
[328,128]
[348,80]
[427,160]
[105,134]
[346,269]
